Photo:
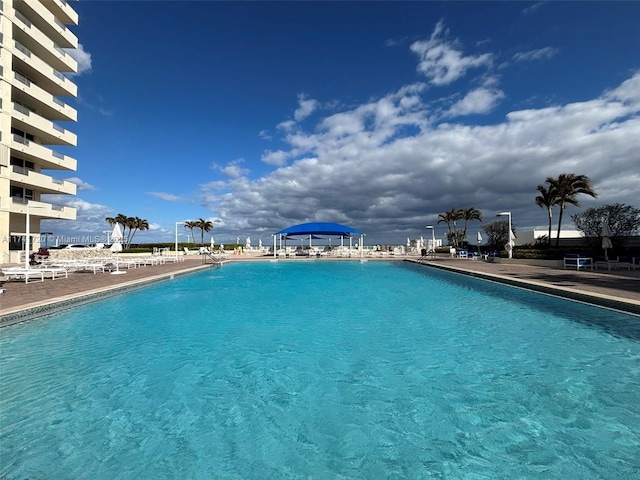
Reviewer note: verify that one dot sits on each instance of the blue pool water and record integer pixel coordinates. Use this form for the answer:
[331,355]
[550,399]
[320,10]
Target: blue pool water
[322,370]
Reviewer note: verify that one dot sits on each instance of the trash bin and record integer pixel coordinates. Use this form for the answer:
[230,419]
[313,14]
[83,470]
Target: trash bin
[423,252]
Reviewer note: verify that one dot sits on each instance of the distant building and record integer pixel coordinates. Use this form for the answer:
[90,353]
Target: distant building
[538,234]
[33,34]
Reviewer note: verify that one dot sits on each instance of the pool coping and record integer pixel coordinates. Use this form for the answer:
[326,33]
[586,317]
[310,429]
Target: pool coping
[627,306]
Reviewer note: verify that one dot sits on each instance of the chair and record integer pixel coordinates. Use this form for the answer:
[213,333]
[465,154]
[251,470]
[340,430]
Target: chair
[463,254]
[190,252]
[20,273]
[578,261]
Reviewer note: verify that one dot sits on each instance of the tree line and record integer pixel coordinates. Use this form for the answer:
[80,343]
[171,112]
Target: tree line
[556,192]
[130,225]
[201,224]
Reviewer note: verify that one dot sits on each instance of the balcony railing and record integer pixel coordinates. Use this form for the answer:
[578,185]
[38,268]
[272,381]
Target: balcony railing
[21,170]
[20,139]
[20,200]
[21,78]
[23,19]
[23,49]
[22,109]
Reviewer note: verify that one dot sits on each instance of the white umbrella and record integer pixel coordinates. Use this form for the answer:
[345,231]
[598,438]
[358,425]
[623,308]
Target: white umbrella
[479,240]
[606,237]
[511,243]
[116,246]
[260,243]
[408,242]
[247,242]
[212,242]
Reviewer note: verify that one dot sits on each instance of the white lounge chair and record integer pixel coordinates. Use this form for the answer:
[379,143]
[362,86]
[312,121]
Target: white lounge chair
[19,273]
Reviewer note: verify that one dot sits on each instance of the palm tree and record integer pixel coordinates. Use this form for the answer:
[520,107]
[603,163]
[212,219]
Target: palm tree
[135,224]
[566,187]
[190,225]
[120,219]
[450,217]
[132,223]
[467,215]
[204,226]
[547,199]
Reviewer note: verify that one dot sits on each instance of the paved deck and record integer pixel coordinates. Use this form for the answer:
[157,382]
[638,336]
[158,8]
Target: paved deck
[618,289]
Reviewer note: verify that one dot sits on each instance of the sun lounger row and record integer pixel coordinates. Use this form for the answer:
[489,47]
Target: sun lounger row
[57,268]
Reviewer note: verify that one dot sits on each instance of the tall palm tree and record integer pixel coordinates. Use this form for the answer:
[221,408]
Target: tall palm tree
[567,186]
[190,225]
[450,218]
[547,199]
[204,226]
[135,224]
[468,214]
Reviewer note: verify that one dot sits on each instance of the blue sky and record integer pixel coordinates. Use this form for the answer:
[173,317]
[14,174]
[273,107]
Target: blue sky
[378,115]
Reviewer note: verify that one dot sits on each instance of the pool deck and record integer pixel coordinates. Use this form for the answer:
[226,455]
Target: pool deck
[618,289]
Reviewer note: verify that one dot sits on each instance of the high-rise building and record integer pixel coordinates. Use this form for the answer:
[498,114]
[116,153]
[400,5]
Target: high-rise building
[34,92]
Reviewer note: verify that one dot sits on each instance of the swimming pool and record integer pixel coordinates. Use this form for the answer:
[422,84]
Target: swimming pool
[322,370]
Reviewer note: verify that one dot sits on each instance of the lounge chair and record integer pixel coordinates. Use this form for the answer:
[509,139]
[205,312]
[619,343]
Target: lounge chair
[190,252]
[19,273]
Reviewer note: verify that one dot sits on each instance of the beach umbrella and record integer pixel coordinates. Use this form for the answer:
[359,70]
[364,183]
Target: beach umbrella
[606,237]
[479,240]
[408,242]
[260,243]
[511,243]
[212,242]
[247,243]
[116,246]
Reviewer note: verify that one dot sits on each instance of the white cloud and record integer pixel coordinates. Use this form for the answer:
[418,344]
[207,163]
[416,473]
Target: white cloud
[306,107]
[441,62]
[82,57]
[479,101]
[388,167]
[277,158]
[539,54]
[81,184]
[533,8]
[265,135]
[234,169]
[169,197]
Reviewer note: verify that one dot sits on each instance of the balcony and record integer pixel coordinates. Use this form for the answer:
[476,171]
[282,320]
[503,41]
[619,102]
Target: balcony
[45,157]
[25,91]
[41,73]
[62,10]
[41,209]
[42,183]
[27,34]
[44,20]
[46,131]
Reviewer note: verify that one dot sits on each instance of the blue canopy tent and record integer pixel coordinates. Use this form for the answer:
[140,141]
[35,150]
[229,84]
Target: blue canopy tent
[317,230]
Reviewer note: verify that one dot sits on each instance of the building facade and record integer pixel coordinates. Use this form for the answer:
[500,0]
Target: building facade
[34,92]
